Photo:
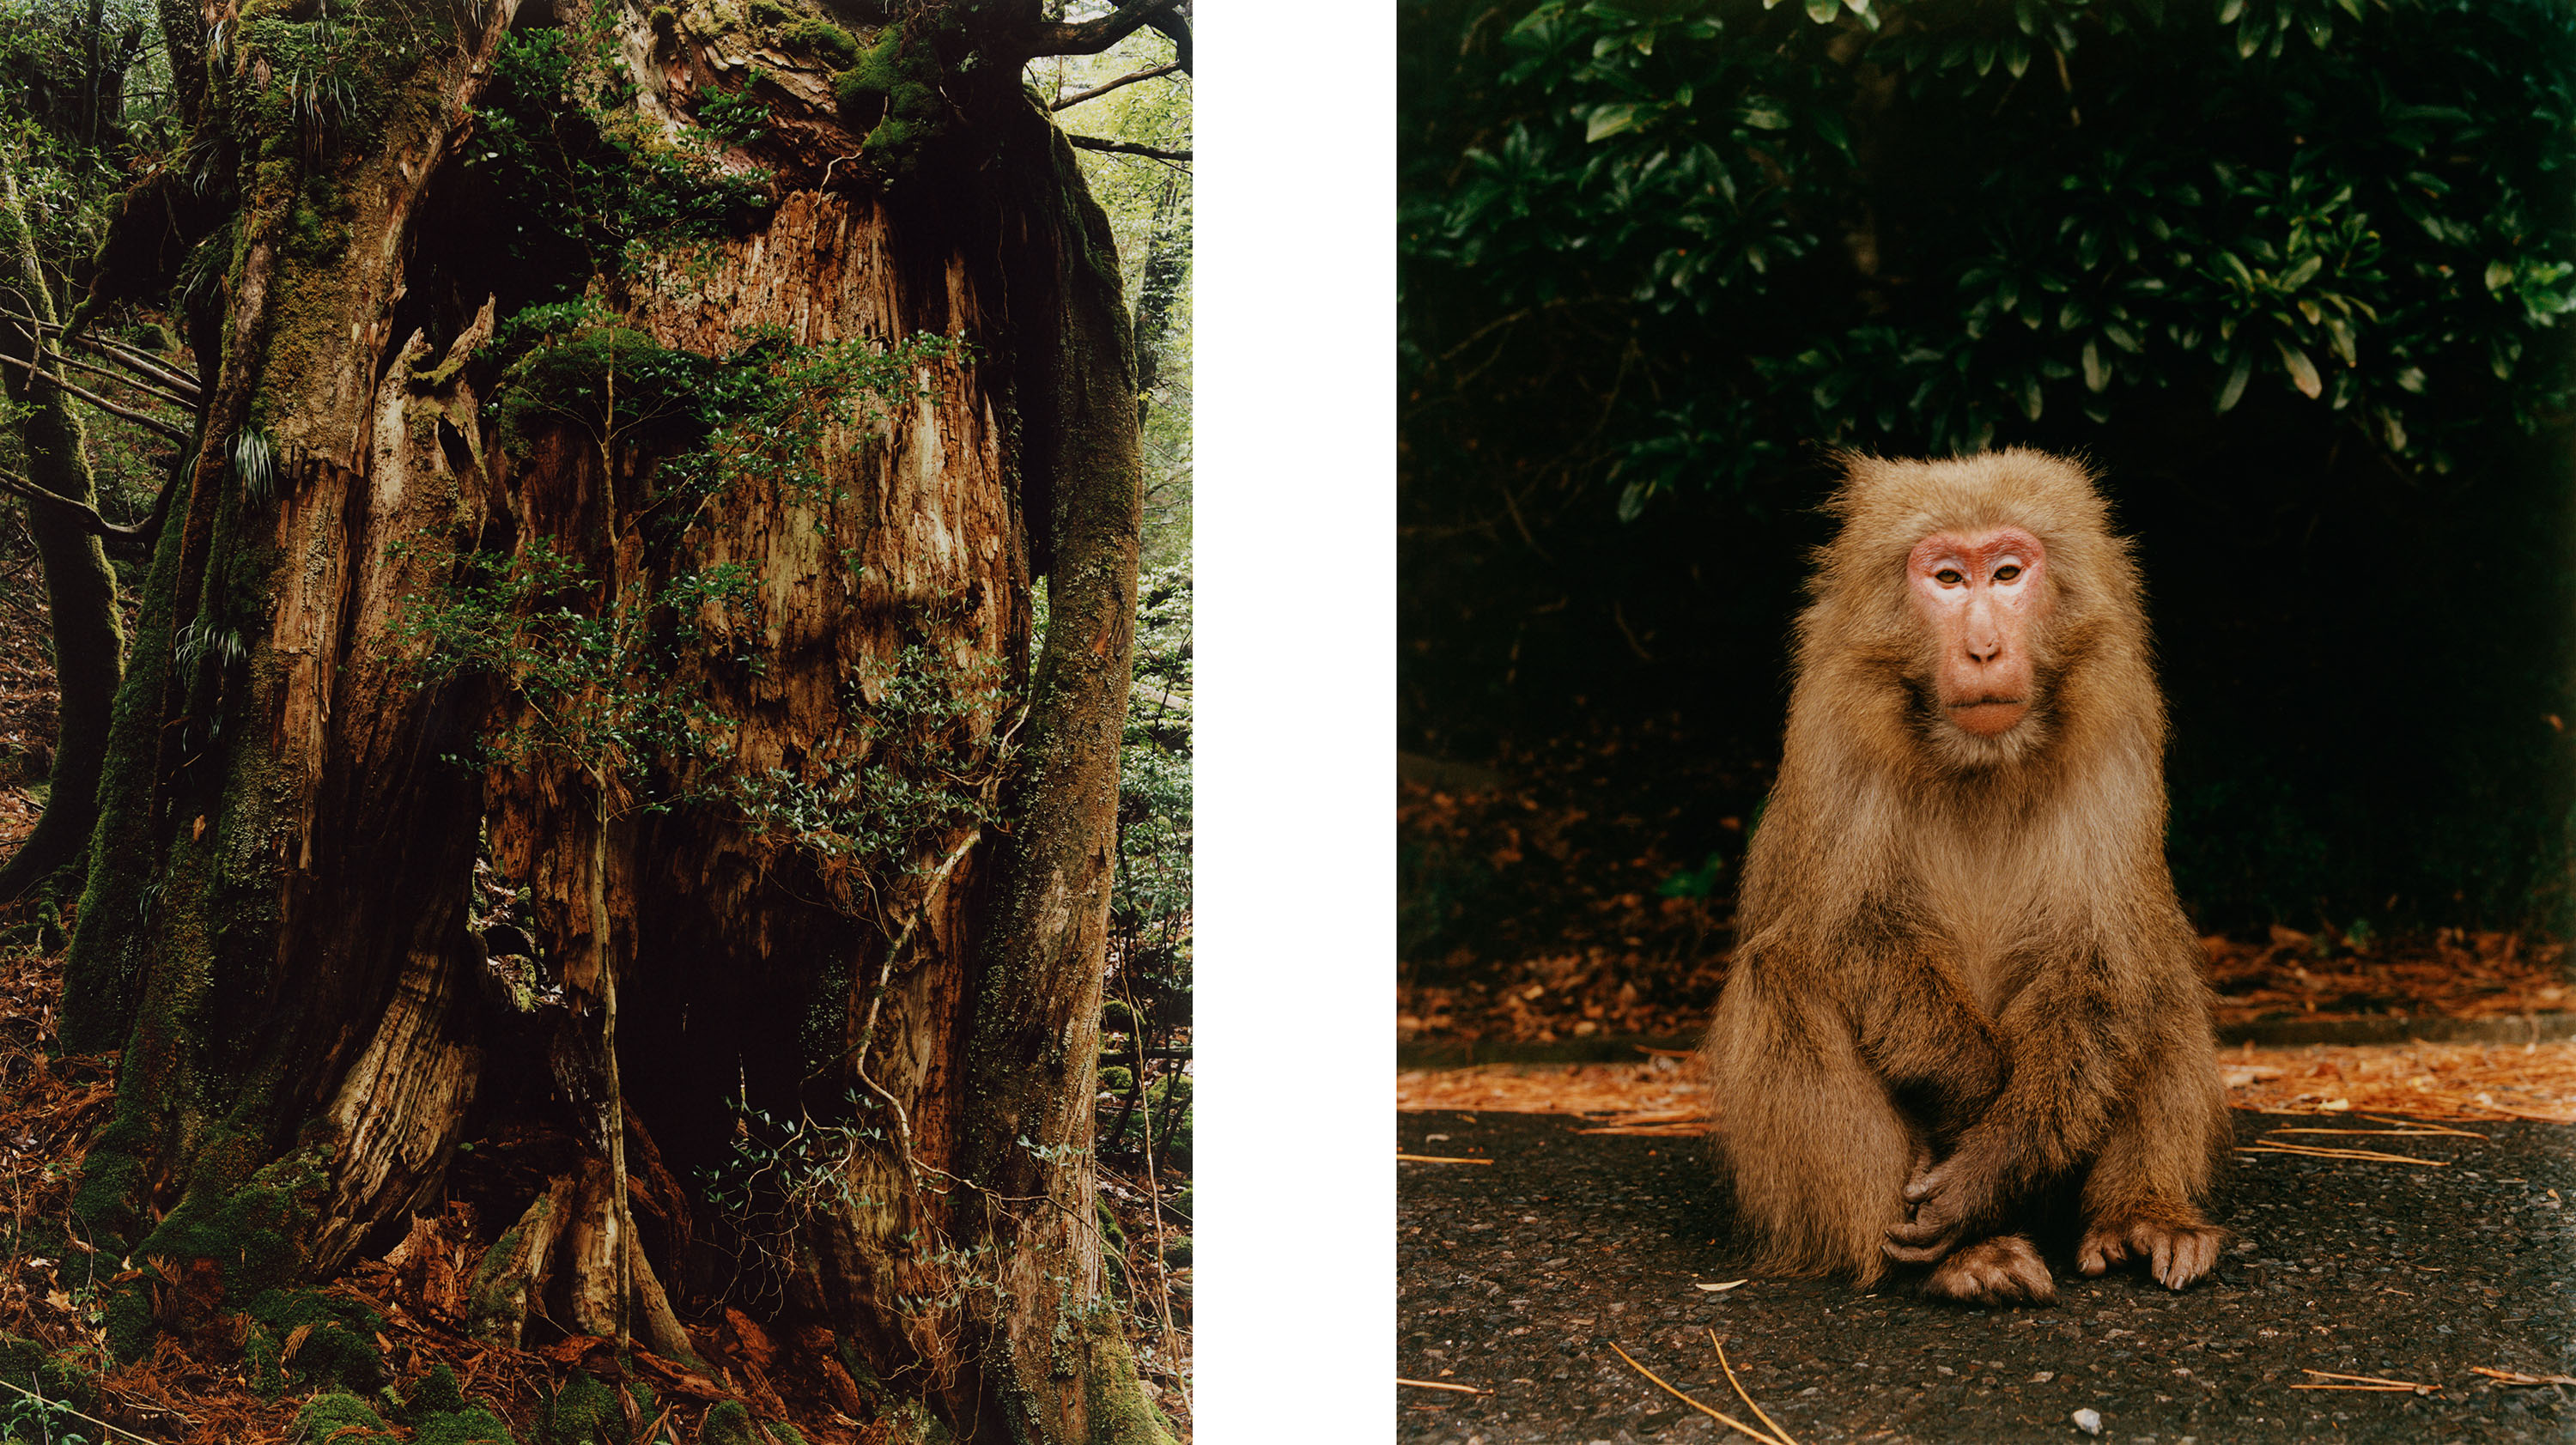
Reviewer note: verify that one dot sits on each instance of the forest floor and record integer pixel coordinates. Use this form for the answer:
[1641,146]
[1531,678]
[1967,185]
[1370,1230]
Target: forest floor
[2444,1277]
[202,1392]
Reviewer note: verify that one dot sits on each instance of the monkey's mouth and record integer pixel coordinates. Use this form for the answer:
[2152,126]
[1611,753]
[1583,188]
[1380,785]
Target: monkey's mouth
[1989,716]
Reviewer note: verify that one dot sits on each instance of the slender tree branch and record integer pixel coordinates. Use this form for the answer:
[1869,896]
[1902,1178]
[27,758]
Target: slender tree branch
[61,360]
[117,350]
[1130,78]
[171,430]
[1125,148]
[119,353]
[132,544]
[1090,37]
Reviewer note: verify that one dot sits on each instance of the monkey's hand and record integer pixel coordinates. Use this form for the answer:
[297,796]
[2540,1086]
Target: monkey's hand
[1953,1201]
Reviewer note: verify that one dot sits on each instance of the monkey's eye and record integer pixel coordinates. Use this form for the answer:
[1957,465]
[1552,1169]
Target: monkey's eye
[1949,577]
[2007,572]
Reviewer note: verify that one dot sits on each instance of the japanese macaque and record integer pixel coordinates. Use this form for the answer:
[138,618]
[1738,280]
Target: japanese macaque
[1963,997]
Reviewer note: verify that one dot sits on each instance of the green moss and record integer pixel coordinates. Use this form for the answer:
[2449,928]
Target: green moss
[1110,1233]
[1120,1413]
[823,40]
[254,1230]
[337,1347]
[584,1412]
[727,1424]
[338,1419]
[472,1426]
[1176,1251]
[25,1365]
[437,1394]
[770,12]
[130,1330]
[895,84]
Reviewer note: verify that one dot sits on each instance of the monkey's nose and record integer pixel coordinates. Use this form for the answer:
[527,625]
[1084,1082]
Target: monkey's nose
[1985,649]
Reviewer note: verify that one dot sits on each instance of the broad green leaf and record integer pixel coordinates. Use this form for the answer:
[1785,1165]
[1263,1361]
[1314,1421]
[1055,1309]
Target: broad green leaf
[2396,433]
[2030,398]
[1610,120]
[2499,275]
[2339,332]
[2096,375]
[2235,384]
[1766,116]
[2412,379]
[2303,372]
[2228,12]
[2304,272]
[1821,11]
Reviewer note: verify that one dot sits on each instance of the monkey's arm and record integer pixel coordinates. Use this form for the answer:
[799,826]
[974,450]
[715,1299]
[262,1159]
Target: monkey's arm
[1920,1028]
[2074,1040]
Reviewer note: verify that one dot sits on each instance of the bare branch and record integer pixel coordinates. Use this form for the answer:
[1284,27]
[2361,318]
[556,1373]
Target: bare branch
[189,402]
[171,430]
[1125,148]
[118,352]
[1090,37]
[133,544]
[1130,78]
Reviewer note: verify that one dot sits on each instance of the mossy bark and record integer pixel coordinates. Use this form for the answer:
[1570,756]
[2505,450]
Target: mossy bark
[80,590]
[302,799]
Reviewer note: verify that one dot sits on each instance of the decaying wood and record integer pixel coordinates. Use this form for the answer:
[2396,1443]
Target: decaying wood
[512,1275]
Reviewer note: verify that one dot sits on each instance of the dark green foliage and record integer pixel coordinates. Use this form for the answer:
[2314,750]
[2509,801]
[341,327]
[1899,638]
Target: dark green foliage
[576,180]
[736,117]
[2296,275]
[37,1390]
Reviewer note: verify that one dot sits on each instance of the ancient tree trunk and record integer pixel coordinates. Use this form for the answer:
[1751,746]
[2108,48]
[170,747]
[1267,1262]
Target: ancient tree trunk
[589,710]
[89,641]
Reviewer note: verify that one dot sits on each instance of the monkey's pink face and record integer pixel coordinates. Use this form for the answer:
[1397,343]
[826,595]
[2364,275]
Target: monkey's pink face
[1980,601]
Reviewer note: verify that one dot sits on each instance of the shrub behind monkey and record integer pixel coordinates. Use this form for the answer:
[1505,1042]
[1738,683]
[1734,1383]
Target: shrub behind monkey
[1962,986]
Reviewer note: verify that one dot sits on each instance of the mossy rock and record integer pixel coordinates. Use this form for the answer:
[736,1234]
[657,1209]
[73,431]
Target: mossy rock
[586,1412]
[770,12]
[436,1394]
[333,1342]
[472,1426]
[338,1418]
[1176,1251]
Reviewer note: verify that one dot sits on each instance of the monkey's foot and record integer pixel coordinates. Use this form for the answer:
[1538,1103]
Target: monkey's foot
[2003,1270]
[2176,1253]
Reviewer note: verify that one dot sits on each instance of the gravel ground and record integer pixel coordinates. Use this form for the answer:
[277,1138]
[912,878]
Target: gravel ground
[1517,1277]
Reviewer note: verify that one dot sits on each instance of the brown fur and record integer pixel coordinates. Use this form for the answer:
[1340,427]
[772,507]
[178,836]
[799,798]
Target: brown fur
[1962,982]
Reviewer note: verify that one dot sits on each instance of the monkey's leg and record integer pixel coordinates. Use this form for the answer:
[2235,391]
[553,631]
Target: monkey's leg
[1818,1152]
[2139,1197]
[2002,1269]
